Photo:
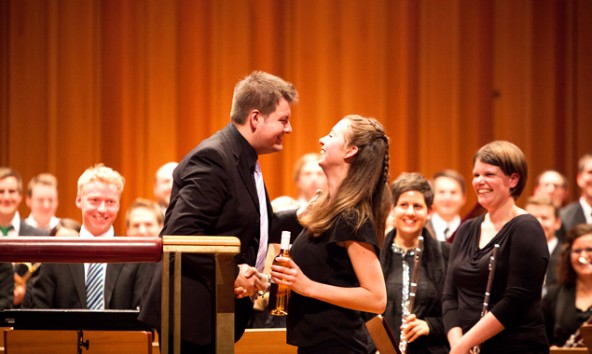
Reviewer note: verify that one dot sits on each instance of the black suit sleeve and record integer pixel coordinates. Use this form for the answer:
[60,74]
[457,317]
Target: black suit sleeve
[201,196]
[43,289]
[6,286]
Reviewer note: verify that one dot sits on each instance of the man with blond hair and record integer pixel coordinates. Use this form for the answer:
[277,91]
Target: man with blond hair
[95,286]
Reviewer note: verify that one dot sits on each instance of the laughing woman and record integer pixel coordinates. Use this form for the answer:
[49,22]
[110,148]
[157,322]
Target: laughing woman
[423,328]
[514,323]
[335,272]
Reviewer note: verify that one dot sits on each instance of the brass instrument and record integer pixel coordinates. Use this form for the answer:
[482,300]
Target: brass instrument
[30,269]
[408,304]
[477,349]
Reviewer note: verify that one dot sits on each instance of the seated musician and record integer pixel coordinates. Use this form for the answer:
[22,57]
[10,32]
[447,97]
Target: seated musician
[568,304]
[423,328]
[95,286]
[11,224]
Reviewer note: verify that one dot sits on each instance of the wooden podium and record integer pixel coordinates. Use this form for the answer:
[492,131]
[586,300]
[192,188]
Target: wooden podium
[223,248]
[140,249]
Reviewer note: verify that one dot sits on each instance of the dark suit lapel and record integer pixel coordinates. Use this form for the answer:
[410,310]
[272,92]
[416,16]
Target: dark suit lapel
[78,279]
[113,271]
[244,170]
[579,217]
[28,230]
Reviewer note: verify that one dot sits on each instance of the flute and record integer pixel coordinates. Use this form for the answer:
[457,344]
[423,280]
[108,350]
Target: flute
[408,305]
[477,349]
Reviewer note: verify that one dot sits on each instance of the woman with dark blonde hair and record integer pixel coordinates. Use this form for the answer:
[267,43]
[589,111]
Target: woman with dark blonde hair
[568,304]
[513,322]
[335,273]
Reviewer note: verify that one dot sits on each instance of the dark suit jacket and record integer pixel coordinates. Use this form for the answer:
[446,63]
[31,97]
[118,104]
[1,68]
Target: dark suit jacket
[62,286]
[213,193]
[28,230]
[6,286]
[285,220]
[551,277]
[572,215]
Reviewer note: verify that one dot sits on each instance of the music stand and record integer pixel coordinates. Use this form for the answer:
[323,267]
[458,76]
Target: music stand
[382,335]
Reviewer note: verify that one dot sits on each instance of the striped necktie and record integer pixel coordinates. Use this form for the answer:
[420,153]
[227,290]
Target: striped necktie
[262,251]
[95,283]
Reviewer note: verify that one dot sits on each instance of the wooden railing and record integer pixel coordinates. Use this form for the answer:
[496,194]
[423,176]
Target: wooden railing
[144,249]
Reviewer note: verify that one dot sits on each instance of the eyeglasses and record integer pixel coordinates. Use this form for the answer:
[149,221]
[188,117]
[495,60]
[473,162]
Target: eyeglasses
[578,251]
[553,186]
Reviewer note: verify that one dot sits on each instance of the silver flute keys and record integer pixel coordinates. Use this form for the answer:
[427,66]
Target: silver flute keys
[408,303]
[477,349]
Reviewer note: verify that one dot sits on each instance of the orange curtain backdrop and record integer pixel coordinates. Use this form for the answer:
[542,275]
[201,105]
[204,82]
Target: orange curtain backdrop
[135,83]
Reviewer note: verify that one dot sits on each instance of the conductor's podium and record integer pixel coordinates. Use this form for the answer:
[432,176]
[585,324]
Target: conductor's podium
[131,249]
[75,331]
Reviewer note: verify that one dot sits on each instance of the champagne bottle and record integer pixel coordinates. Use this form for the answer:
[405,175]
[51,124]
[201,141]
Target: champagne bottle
[279,295]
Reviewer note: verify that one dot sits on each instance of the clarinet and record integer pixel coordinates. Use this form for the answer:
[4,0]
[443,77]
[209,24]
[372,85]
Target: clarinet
[576,340]
[477,349]
[408,305]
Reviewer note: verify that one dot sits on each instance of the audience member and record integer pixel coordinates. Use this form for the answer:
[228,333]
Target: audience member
[11,196]
[143,218]
[309,177]
[449,198]
[334,272]
[163,184]
[218,189]
[553,185]
[547,214]
[95,286]
[42,199]
[568,304]
[422,327]
[580,211]
[513,323]
[284,202]
[66,227]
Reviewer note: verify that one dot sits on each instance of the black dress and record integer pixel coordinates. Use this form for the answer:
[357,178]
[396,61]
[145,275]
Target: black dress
[317,326]
[562,318]
[428,305]
[516,292]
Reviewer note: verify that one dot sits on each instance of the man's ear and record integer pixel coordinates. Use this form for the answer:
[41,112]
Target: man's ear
[351,151]
[254,119]
[78,201]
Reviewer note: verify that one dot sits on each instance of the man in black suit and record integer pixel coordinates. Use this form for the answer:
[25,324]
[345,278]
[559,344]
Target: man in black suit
[11,196]
[64,285]
[215,193]
[580,211]
[547,213]
[11,224]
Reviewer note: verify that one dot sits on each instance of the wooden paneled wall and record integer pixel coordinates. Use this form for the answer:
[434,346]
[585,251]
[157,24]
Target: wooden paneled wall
[136,83]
